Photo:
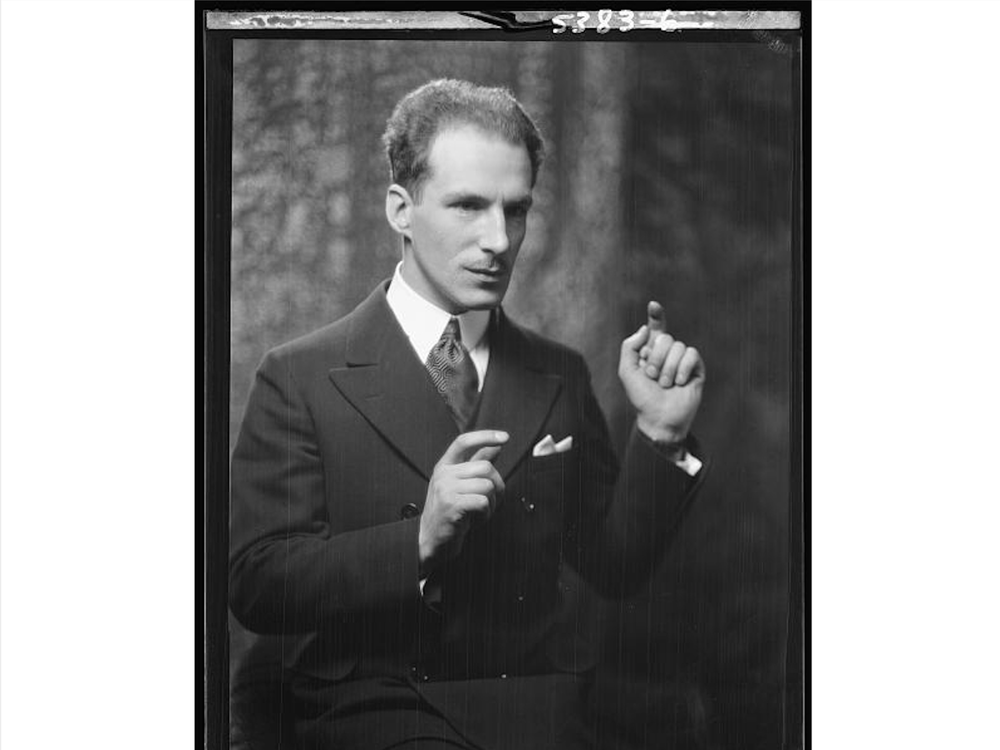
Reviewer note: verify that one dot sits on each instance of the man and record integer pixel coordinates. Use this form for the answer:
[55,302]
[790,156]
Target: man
[409,480]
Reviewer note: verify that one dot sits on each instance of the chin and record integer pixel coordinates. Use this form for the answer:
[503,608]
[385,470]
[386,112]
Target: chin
[482,299]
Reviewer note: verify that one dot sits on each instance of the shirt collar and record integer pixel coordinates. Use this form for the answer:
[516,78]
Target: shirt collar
[423,322]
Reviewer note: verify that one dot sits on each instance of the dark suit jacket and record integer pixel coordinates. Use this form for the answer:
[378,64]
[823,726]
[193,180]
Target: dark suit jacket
[341,434]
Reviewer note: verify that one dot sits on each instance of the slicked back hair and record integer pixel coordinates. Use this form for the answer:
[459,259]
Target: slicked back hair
[427,111]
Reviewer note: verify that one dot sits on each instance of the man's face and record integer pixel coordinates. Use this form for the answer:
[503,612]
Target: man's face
[466,230]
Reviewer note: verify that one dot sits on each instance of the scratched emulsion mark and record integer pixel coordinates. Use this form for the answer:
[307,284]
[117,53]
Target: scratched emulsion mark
[621,19]
[762,33]
[343,20]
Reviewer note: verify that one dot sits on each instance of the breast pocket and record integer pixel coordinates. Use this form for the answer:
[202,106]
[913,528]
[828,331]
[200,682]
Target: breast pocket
[551,462]
[550,484]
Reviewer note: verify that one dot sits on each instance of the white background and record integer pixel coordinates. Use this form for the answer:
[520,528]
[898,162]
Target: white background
[98,359]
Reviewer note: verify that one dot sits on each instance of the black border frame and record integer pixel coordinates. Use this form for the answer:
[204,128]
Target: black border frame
[213,148]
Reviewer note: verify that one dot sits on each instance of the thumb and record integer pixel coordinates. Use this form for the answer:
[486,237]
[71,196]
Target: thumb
[633,344]
[656,316]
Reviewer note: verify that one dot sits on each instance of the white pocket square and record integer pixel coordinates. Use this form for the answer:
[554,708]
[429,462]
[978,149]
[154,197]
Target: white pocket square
[547,446]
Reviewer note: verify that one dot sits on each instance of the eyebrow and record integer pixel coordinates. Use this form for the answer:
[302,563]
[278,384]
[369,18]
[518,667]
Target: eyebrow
[462,196]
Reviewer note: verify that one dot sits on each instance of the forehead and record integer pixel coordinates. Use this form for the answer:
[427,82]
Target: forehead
[468,158]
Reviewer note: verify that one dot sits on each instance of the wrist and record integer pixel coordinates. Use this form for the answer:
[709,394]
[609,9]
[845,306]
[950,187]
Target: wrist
[664,437]
[428,557]
[423,561]
[423,554]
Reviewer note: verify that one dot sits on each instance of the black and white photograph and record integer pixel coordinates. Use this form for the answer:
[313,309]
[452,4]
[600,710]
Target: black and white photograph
[513,356]
[590,378]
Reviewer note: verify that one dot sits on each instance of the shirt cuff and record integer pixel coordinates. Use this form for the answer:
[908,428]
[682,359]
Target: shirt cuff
[678,455]
[687,462]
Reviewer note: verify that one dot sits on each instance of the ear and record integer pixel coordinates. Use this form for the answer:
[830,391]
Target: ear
[398,205]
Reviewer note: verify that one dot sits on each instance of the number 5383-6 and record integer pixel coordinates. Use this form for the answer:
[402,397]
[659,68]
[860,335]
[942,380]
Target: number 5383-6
[576,23]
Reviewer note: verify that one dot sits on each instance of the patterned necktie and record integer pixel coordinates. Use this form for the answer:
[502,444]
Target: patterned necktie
[454,375]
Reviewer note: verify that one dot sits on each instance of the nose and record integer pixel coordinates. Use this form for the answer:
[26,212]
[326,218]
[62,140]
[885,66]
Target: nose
[494,238]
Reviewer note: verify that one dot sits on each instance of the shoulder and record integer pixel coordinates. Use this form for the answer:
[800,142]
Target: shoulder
[541,352]
[328,346]
[327,340]
[321,348]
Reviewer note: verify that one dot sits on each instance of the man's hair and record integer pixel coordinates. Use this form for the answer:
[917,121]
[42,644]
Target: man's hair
[427,111]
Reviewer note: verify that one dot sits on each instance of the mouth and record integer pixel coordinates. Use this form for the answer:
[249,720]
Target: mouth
[492,273]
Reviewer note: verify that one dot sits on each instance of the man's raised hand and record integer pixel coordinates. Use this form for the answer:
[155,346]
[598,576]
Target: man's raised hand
[663,379]
[464,489]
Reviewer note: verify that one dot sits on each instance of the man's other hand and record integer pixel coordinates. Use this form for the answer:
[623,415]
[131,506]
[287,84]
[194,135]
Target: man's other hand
[464,489]
[663,379]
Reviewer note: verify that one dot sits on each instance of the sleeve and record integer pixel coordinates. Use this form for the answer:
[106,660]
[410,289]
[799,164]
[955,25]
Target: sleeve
[627,514]
[288,572]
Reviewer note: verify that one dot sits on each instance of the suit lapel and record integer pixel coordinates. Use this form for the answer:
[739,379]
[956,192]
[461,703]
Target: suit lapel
[385,382]
[518,393]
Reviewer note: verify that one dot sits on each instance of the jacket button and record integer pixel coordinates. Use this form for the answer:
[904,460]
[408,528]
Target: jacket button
[409,511]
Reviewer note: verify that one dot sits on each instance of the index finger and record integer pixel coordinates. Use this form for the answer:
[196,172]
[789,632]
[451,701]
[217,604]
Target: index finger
[657,318]
[467,443]
[486,454]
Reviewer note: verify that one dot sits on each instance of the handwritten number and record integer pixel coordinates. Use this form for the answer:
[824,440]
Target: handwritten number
[603,20]
[577,22]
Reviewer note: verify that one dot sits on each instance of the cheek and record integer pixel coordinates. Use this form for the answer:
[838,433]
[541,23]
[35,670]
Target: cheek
[437,244]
